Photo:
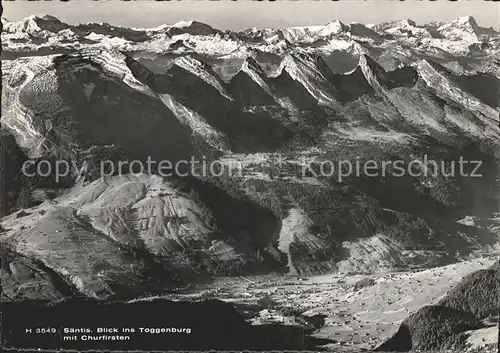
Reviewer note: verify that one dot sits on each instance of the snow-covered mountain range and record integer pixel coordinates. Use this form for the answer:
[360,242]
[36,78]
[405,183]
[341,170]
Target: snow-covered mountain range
[338,92]
[461,43]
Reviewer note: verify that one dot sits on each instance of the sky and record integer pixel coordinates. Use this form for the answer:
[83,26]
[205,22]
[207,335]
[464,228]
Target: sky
[237,15]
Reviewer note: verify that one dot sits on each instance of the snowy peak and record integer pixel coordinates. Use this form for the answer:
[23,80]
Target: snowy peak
[360,30]
[268,35]
[465,28]
[250,85]
[46,33]
[251,65]
[308,34]
[334,27]
[94,30]
[313,62]
[408,23]
[405,28]
[313,73]
[373,72]
[465,23]
[432,67]
[113,63]
[194,28]
[467,20]
[445,84]
[34,24]
[368,64]
[100,94]
[386,26]
[204,72]
[370,77]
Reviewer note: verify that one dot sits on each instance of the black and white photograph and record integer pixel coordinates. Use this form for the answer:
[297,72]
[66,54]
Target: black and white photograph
[250,176]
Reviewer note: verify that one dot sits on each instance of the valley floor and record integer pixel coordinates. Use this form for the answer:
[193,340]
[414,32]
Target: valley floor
[360,312]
